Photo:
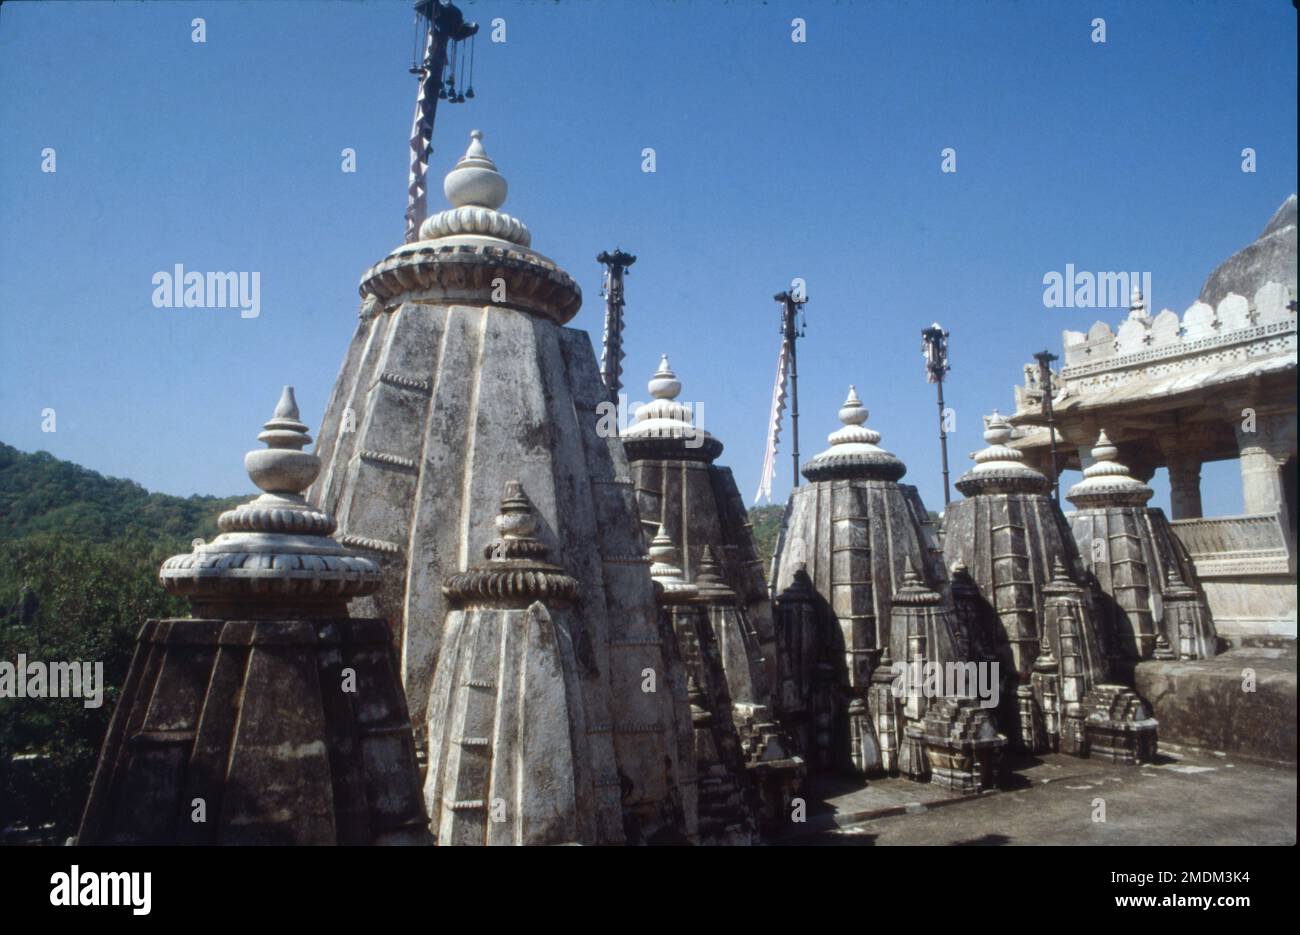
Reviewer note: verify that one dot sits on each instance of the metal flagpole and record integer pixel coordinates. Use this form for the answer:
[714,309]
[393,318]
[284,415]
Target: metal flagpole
[611,357]
[791,331]
[1044,359]
[934,345]
[442,24]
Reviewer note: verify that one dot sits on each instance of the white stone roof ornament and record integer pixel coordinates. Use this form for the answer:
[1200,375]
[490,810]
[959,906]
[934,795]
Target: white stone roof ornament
[671,586]
[1107,482]
[665,418]
[1000,468]
[517,568]
[854,450]
[1137,305]
[476,190]
[274,555]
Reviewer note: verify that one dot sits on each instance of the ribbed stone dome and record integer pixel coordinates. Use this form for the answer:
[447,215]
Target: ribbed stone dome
[1271,258]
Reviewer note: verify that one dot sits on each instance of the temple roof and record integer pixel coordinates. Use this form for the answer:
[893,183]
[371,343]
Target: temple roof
[1271,258]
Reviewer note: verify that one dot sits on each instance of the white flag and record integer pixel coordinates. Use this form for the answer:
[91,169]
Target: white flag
[774,428]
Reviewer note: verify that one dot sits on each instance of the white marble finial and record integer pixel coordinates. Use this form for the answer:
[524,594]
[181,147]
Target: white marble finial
[999,467]
[663,416]
[997,431]
[475,181]
[1107,482]
[854,450]
[664,384]
[1137,305]
[274,551]
[476,190]
[282,466]
[853,412]
[666,572]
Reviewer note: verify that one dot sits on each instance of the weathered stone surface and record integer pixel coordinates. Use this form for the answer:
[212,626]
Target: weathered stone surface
[252,717]
[1242,702]
[1270,258]
[1052,640]
[1149,582]
[963,746]
[849,539]
[727,798]
[679,487]
[1217,383]
[510,758]
[464,381]
[271,721]
[680,492]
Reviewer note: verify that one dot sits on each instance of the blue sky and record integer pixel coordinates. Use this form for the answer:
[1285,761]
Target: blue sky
[774,160]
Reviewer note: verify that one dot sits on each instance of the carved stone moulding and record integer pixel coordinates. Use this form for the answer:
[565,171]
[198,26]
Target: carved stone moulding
[473,274]
[963,745]
[246,715]
[882,466]
[1119,726]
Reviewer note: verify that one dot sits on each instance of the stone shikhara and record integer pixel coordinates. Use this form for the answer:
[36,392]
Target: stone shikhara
[564,633]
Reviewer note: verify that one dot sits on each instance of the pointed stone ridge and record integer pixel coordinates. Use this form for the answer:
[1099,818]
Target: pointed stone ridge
[999,468]
[670,585]
[476,190]
[709,581]
[274,553]
[854,452]
[517,570]
[1061,582]
[665,428]
[914,589]
[1107,482]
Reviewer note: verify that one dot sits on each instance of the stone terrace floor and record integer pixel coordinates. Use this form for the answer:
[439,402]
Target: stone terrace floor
[1181,799]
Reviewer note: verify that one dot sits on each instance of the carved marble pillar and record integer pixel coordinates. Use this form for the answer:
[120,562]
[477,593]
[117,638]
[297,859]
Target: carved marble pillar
[1184,485]
[1265,442]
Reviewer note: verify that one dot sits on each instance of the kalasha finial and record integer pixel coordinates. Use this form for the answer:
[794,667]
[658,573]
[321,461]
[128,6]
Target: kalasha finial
[671,586]
[664,426]
[282,466]
[517,570]
[854,450]
[476,190]
[274,555]
[1106,482]
[853,412]
[664,384]
[999,468]
[475,180]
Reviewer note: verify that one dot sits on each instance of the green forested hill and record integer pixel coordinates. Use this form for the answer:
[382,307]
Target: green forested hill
[41,494]
[766,521]
[79,558]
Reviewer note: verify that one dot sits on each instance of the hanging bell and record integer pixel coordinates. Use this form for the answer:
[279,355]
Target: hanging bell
[469,92]
[442,92]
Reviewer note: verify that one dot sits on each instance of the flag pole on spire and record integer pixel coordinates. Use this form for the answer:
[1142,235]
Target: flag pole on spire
[792,328]
[440,31]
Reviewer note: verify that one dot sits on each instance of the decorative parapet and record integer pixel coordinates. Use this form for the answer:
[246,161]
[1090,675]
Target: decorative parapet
[1227,546]
[1146,348]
